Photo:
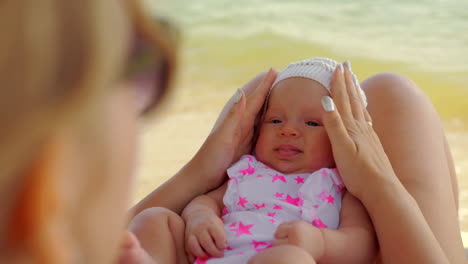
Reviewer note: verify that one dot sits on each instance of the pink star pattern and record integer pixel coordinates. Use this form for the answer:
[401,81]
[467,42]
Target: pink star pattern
[242,201]
[246,230]
[318,223]
[247,171]
[277,207]
[324,172]
[233,179]
[294,201]
[278,177]
[200,261]
[259,206]
[256,244]
[242,229]
[299,180]
[261,249]
[339,189]
[323,195]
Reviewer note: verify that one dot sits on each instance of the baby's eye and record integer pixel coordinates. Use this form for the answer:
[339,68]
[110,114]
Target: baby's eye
[312,123]
[276,121]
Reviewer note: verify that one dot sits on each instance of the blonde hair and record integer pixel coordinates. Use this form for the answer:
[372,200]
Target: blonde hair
[57,60]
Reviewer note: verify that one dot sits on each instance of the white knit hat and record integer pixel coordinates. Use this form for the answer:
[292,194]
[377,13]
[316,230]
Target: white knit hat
[317,69]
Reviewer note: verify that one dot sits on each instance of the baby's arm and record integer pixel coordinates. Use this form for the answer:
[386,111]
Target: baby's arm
[204,229]
[353,242]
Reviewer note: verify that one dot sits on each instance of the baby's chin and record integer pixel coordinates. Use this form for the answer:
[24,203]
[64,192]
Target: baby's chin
[287,167]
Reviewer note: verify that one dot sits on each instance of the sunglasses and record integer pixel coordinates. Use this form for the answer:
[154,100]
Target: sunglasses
[152,58]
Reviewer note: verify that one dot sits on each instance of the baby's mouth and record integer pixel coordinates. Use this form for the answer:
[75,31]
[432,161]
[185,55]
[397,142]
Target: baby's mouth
[287,151]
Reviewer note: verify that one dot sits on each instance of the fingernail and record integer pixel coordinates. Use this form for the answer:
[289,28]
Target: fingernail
[340,67]
[237,96]
[355,80]
[327,103]
[348,64]
[268,75]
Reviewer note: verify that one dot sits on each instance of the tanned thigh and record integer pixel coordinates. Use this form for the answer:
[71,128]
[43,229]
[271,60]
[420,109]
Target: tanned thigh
[413,138]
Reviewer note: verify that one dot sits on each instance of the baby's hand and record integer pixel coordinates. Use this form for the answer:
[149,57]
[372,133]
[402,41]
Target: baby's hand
[301,234]
[204,235]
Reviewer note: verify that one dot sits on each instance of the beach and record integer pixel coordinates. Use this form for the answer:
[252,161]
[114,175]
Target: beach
[225,43]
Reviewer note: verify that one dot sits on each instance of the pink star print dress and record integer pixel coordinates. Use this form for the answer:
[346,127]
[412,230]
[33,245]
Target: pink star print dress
[259,198]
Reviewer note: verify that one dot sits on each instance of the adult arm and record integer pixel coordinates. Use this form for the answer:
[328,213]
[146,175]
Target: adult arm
[412,207]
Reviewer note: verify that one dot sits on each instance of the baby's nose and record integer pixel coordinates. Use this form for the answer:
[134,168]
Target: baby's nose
[289,131]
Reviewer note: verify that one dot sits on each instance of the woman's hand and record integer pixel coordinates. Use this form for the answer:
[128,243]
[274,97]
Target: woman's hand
[233,132]
[357,150]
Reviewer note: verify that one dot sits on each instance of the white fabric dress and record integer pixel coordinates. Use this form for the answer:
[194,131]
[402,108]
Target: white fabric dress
[258,199]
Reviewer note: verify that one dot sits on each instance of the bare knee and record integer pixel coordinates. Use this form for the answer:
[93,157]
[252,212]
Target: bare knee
[392,87]
[392,95]
[155,217]
[283,254]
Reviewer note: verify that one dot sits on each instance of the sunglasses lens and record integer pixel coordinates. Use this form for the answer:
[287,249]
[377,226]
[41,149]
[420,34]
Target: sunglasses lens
[149,68]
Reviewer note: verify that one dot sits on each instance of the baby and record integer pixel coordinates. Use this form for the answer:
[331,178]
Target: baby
[290,183]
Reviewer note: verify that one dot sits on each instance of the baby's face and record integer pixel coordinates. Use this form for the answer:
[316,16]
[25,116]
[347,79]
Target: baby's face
[292,138]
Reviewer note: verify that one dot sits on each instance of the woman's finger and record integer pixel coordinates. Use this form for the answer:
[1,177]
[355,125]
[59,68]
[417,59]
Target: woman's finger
[257,99]
[336,130]
[248,89]
[234,117]
[208,245]
[194,247]
[354,97]
[367,116]
[340,95]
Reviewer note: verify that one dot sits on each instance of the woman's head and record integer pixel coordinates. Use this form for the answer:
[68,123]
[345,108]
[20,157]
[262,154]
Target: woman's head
[69,111]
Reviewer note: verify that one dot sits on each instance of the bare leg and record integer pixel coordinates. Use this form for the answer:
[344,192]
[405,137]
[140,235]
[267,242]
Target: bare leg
[413,138]
[161,234]
[283,254]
